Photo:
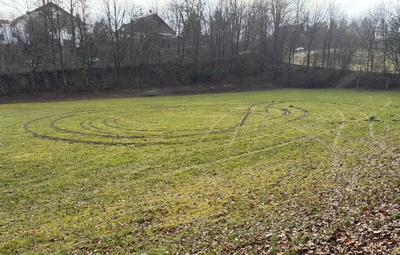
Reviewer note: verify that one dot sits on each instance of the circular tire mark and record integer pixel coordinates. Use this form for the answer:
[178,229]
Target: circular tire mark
[113,123]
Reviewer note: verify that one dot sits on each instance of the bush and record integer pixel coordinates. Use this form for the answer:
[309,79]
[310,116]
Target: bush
[240,70]
[205,75]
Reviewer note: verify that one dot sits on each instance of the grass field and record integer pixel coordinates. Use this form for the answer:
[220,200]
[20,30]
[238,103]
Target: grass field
[221,173]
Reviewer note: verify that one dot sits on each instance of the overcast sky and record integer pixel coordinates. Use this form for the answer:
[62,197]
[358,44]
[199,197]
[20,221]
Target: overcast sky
[352,7]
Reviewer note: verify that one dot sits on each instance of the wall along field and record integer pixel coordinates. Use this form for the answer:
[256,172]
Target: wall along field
[207,173]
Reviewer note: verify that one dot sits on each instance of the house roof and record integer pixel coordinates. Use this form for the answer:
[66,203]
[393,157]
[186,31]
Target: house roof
[3,21]
[43,8]
[18,19]
[163,28]
[49,6]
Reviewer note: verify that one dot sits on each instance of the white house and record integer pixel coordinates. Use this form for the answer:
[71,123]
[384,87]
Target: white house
[6,35]
[48,20]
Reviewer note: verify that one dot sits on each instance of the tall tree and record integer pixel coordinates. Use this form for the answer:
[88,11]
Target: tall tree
[296,28]
[178,15]
[330,32]
[394,41]
[280,14]
[218,30]
[90,38]
[194,26]
[368,32]
[117,12]
[347,47]
[264,30]
[314,22]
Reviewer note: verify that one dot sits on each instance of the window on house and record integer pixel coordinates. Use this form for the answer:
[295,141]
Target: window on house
[2,38]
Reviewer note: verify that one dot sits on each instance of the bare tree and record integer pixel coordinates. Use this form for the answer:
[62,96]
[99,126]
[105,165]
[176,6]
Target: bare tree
[280,14]
[340,34]
[314,22]
[330,33]
[218,34]
[90,40]
[194,26]
[347,46]
[117,12]
[43,31]
[178,17]
[296,28]
[37,49]
[236,17]
[369,33]
[393,38]
[248,31]
[263,31]
[147,40]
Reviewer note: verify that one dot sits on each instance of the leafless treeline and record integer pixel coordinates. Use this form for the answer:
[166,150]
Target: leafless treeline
[232,35]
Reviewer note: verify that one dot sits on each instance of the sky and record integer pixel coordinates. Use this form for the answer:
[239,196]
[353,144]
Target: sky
[352,7]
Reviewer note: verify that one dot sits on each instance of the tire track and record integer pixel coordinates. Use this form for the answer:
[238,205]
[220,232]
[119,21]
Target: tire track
[389,102]
[314,137]
[95,131]
[335,147]
[212,127]
[240,124]
[242,155]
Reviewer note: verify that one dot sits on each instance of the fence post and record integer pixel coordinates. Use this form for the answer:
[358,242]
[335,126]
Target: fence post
[387,83]
[357,82]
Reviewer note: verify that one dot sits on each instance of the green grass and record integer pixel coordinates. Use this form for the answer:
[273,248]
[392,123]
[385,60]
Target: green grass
[190,173]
